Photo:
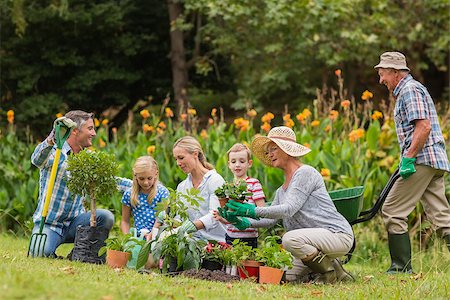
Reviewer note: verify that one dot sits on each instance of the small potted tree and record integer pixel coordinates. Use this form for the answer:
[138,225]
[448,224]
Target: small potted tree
[275,260]
[177,250]
[92,174]
[118,250]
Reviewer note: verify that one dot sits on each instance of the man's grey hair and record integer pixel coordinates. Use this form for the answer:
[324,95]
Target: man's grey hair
[80,117]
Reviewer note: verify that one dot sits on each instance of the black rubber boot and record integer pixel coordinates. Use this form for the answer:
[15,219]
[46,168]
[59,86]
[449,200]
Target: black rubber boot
[322,266]
[341,274]
[400,250]
[447,241]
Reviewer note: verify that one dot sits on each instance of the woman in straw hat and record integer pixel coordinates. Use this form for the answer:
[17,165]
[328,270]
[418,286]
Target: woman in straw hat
[316,234]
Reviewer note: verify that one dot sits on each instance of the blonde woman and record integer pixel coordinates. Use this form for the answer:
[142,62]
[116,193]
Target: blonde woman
[140,200]
[316,233]
[200,175]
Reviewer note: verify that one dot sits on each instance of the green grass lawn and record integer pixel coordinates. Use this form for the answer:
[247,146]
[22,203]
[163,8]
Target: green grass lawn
[40,278]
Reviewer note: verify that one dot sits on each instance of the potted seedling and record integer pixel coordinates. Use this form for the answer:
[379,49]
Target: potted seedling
[174,248]
[118,250]
[91,175]
[275,260]
[235,191]
[214,254]
[245,256]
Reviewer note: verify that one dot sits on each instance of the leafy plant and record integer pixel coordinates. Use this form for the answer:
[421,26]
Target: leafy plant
[217,251]
[236,191]
[273,255]
[92,175]
[122,243]
[242,251]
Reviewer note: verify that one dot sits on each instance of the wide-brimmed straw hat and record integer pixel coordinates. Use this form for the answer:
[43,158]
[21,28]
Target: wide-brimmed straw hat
[284,137]
[392,60]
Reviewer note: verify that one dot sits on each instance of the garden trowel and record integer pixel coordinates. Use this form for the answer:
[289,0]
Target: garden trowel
[63,127]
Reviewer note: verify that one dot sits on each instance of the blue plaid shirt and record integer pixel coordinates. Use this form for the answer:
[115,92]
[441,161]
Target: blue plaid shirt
[415,103]
[64,206]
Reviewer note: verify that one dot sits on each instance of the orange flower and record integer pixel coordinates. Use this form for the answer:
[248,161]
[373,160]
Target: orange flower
[366,95]
[307,113]
[307,145]
[96,122]
[192,111]
[162,125]
[145,113]
[252,113]
[301,118]
[286,117]
[315,123]
[333,115]
[148,128]
[325,172]
[266,127]
[241,124]
[337,73]
[213,112]
[210,121]
[169,112]
[101,143]
[327,128]
[159,131]
[289,123]
[267,117]
[345,104]
[183,117]
[204,134]
[377,115]
[355,135]
[151,149]
[105,122]
[10,116]
[59,115]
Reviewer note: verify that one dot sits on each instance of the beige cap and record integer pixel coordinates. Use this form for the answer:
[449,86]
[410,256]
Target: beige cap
[392,60]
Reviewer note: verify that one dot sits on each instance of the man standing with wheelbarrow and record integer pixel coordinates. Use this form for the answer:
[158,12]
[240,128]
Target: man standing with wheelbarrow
[423,161]
[63,212]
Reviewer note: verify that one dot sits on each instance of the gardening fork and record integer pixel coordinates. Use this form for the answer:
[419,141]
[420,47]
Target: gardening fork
[63,128]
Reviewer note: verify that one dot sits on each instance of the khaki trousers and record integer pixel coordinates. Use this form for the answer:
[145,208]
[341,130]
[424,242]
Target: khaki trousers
[306,241]
[426,185]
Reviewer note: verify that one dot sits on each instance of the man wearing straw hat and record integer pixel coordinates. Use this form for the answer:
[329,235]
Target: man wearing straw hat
[423,161]
[316,233]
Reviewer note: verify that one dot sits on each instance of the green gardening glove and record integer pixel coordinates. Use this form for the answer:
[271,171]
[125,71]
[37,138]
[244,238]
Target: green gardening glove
[188,227]
[242,209]
[239,223]
[242,223]
[407,167]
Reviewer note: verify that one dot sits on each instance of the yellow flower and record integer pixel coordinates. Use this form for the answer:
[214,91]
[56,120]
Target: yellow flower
[213,112]
[266,127]
[301,118]
[333,115]
[10,116]
[252,113]
[96,122]
[355,135]
[148,128]
[162,125]
[307,145]
[159,131]
[101,143]
[377,115]
[327,128]
[192,111]
[151,149]
[105,122]
[337,72]
[59,115]
[145,113]
[325,172]
[289,123]
[169,112]
[307,113]
[315,123]
[366,95]
[241,124]
[204,134]
[267,117]
[345,104]
[445,135]
[286,117]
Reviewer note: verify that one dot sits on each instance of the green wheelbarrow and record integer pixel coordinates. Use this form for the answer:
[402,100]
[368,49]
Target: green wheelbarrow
[349,203]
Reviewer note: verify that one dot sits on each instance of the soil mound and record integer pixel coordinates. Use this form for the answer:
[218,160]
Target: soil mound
[210,275]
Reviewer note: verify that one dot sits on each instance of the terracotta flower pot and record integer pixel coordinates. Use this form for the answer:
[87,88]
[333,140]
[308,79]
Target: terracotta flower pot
[249,268]
[223,201]
[117,259]
[270,275]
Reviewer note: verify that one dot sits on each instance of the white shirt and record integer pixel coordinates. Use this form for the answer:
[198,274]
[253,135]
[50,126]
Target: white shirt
[213,230]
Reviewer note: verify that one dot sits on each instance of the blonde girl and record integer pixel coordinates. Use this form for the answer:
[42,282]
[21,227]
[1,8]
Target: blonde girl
[140,200]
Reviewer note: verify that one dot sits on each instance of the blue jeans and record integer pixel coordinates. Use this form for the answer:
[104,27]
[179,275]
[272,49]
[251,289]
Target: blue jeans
[105,219]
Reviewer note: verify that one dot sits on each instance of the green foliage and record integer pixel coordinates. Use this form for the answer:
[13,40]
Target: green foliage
[273,255]
[232,190]
[122,242]
[92,173]
[241,251]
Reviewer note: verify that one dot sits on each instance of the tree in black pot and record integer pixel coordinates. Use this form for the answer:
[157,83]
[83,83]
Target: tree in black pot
[92,175]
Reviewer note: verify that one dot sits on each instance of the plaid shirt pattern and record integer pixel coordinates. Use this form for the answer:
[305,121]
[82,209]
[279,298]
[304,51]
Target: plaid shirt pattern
[415,103]
[64,207]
